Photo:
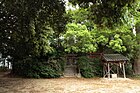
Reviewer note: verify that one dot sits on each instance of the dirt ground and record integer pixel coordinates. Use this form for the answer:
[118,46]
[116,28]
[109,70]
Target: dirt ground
[68,85]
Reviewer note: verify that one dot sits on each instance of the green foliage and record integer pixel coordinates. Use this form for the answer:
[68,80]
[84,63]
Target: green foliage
[89,67]
[42,41]
[116,39]
[28,28]
[137,21]
[128,69]
[103,38]
[80,16]
[78,39]
[33,68]
[116,44]
[109,13]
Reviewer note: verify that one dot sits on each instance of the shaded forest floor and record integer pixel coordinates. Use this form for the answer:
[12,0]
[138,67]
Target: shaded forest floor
[68,85]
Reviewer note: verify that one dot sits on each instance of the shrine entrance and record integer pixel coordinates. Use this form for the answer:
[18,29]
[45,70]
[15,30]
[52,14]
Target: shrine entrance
[114,65]
[71,69]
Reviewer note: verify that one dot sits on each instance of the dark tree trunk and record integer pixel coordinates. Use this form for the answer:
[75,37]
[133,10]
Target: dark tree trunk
[137,66]
[137,61]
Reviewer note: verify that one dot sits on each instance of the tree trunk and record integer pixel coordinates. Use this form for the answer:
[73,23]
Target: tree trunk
[137,66]
[137,61]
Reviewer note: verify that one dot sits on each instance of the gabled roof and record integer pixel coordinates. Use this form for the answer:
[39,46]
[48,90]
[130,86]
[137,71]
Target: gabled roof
[114,57]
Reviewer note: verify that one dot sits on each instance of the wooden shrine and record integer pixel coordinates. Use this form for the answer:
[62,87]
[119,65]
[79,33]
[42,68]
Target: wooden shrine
[114,64]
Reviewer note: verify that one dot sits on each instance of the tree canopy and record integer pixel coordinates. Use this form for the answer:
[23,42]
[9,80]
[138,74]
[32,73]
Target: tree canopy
[78,39]
[105,39]
[29,27]
[109,12]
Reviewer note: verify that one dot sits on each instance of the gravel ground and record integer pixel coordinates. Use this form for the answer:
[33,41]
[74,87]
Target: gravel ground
[68,85]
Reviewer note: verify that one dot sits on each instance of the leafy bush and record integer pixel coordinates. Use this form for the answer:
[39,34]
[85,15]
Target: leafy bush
[128,69]
[33,68]
[89,67]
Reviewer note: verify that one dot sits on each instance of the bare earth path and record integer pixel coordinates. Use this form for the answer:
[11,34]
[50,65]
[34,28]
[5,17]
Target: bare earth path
[68,85]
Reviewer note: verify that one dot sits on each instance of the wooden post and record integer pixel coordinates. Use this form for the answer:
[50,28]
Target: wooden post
[108,70]
[104,70]
[117,70]
[124,71]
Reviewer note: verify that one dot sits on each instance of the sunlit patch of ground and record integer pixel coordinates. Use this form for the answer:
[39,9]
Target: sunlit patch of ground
[68,85]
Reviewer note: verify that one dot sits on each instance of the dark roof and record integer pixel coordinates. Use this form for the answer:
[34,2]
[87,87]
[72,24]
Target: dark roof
[114,57]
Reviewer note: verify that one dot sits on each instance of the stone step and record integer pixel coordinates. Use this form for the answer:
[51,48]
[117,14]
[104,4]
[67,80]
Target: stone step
[70,71]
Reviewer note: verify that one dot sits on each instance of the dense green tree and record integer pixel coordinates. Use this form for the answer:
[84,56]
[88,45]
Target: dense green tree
[78,39]
[136,63]
[105,38]
[28,28]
